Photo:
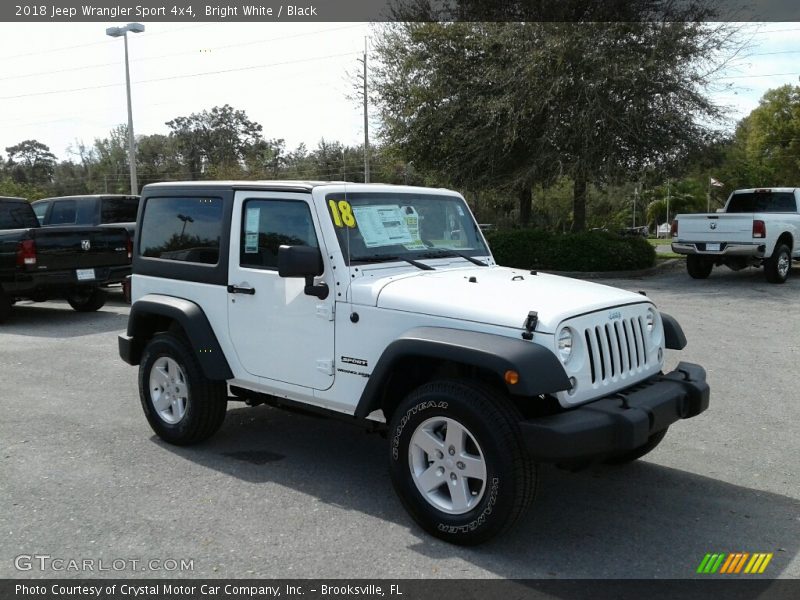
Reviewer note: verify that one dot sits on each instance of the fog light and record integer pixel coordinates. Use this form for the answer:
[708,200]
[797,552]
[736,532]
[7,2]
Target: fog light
[512,377]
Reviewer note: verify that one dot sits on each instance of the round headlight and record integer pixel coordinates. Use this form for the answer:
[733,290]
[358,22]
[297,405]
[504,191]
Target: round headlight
[650,321]
[565,344]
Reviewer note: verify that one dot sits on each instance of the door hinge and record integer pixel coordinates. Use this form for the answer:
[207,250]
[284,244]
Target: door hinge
[325,366]
[325,311]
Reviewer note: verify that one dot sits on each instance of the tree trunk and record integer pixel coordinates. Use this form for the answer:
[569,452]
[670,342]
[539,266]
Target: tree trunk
[579,204]
[525,205]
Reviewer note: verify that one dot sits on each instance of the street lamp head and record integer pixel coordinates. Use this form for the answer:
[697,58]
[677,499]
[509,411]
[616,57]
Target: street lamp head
[135,27]
[115,32]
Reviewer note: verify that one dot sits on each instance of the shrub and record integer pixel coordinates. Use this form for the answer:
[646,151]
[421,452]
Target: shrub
[586,251]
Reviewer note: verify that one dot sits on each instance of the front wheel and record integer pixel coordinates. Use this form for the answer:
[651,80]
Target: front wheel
[698,267]
[458,463]
[777,266]
[87,299]
[182,406]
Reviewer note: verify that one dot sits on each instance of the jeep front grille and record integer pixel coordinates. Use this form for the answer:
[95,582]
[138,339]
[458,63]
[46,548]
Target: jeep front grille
[616,349]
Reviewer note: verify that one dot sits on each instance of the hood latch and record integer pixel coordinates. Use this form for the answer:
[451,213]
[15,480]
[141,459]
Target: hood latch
[530,325]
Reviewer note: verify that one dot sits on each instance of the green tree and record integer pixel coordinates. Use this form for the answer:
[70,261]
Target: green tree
[217,140]
[31,162]
[765,150]
[515,104]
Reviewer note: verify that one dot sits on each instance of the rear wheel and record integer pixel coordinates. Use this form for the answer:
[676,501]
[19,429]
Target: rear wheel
[698,266]
[5,307]
[637,453]
[182,406]
[86,299]
[777,266]
[458,463]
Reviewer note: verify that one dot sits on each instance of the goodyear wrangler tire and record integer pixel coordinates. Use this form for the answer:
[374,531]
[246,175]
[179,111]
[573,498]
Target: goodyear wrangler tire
[458,463]
[182,406]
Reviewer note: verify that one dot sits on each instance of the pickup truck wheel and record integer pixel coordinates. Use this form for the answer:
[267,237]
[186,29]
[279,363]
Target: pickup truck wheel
[698,267]
[458,463]
[87,299]
[182,406]
[777,267]
[637,453]
[5,307]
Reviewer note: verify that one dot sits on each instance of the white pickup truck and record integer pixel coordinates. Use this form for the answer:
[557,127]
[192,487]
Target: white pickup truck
[757,227]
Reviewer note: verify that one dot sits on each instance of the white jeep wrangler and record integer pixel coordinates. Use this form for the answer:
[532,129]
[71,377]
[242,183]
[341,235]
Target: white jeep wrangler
[383,304]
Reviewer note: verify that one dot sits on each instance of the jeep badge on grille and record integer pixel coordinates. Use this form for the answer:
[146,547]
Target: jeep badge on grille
[86,244]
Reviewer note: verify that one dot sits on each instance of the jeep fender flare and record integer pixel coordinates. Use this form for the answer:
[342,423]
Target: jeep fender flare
[151,310]
[540,371]
[674,339]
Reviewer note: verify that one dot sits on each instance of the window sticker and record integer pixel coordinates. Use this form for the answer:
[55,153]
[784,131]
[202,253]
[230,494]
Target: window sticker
[412,223]
[251,222]
[382,225]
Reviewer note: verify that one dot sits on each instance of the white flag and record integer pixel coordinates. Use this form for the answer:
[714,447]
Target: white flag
[715,183]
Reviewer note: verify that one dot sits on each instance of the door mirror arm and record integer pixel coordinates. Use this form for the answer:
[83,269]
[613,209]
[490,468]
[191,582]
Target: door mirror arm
[320,290]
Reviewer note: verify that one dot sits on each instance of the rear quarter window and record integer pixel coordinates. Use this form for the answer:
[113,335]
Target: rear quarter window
[185,229]
[118,210]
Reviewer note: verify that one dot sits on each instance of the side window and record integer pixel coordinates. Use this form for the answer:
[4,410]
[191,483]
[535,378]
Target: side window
[119,209]
[86,212]
[186,229]
[41,210]
[63,213]
[269,224]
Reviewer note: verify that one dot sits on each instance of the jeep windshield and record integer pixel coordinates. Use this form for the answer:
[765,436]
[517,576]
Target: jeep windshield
[385,227]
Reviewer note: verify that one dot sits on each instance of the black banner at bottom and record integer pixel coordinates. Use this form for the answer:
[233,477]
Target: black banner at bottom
[401,589]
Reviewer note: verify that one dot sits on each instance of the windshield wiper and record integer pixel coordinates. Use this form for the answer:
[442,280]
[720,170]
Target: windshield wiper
[450,253]
[379,258]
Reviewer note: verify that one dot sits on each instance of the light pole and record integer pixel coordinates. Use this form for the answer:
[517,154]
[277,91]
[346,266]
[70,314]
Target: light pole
[123,32]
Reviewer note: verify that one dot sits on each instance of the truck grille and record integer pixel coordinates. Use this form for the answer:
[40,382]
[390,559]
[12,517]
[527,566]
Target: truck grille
[616,349]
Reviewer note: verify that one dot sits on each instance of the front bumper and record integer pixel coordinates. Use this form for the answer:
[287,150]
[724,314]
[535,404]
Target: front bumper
[623,421]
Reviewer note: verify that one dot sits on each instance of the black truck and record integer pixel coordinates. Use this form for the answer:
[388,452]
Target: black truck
[38,263]
[114,210]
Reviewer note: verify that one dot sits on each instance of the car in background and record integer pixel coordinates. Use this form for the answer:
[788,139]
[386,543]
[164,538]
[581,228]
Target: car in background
[117,210]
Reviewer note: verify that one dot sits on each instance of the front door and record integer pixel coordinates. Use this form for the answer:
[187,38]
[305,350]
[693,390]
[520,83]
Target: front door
[278,331]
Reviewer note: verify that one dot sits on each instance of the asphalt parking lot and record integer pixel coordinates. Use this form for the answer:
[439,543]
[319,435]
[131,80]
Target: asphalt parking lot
[277,494]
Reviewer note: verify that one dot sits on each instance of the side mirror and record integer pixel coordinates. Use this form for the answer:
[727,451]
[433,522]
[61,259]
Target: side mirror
[303,261]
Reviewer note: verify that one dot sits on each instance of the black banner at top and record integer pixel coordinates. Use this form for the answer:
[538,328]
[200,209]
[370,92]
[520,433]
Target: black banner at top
[399,10]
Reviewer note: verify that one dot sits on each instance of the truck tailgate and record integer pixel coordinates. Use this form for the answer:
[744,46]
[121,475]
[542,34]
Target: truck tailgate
[64,248]
[718,227]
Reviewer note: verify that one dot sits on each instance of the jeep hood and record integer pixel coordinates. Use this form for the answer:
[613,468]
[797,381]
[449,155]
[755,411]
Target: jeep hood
[493,295]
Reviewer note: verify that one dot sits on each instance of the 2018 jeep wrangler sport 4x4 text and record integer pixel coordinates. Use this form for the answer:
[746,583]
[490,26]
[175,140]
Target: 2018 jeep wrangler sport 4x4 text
[383,304]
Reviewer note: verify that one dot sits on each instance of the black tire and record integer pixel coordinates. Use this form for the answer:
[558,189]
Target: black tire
[698,267]
[5,307]
[87,299]
[778,266]
[205,401]
[492,423]
[637,453]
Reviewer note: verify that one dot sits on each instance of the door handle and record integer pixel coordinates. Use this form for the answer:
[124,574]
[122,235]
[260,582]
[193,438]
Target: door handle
[232,289]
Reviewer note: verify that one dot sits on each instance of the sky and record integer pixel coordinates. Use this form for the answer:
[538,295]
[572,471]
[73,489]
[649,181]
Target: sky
[64,83]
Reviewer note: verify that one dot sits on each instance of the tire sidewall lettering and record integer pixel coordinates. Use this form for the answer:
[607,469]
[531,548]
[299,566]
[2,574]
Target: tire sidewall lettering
[411,412]
[480,519]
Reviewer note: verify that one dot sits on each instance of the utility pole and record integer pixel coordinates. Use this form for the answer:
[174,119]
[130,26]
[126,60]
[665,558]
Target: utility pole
[366,118]
[669,181]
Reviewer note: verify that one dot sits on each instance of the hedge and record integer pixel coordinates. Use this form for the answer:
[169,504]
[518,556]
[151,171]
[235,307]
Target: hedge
[587,251]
